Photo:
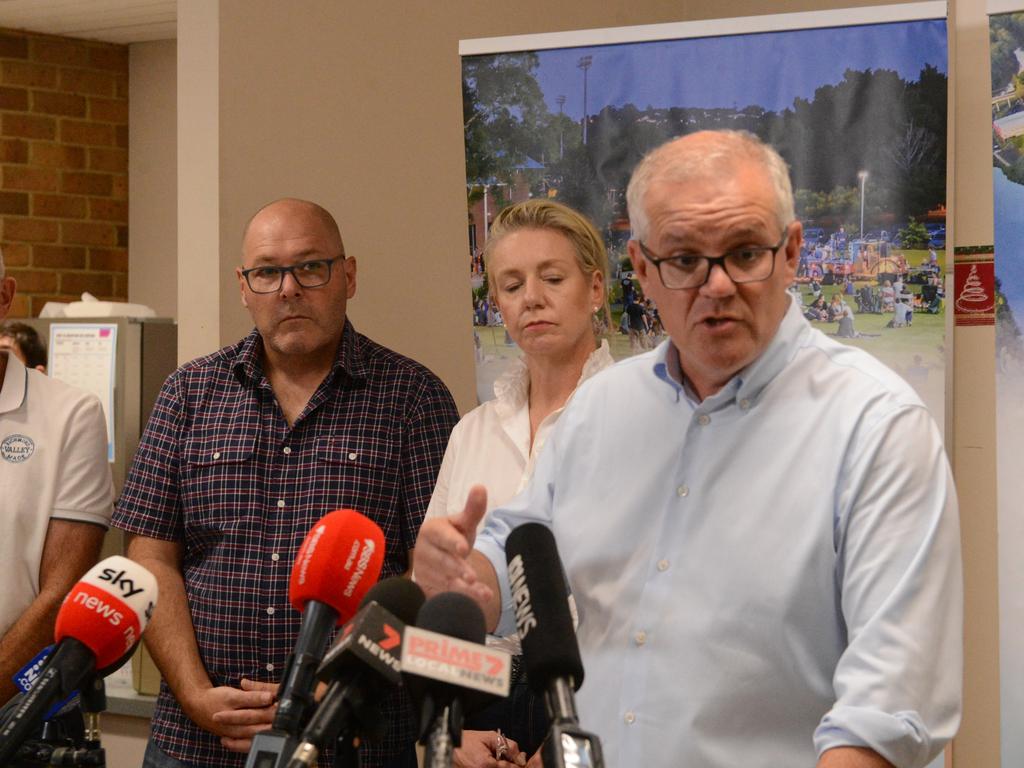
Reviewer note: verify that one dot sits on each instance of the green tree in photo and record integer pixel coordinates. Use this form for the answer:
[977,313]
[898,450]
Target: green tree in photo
[914,235]
[502,105]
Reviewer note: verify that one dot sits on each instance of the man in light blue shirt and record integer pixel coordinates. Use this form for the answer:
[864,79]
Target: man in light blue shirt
[775,579]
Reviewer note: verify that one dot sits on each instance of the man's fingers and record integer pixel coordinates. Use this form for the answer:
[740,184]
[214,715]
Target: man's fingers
[236,698]
[471,515]
[477,590]
[245,717]
[256,685]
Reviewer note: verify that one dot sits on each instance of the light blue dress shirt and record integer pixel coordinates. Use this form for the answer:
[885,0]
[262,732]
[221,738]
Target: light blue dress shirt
[761,576]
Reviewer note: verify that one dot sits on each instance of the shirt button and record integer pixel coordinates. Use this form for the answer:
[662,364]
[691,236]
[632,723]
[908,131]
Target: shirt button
[663,565]
[682,490]
[280,503]
[641,637]
[352,456]
[270,611]
[744,404]
[270,667]
[216,455]
[703,419]
[287,450]
[275,557]
[630,718]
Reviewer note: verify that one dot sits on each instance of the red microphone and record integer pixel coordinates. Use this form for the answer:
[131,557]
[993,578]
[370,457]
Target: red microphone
[98,627]
[338,562]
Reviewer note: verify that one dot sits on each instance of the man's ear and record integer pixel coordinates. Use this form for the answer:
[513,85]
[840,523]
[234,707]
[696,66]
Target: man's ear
[241,286]
[350,276]
[640,264]
[793,244]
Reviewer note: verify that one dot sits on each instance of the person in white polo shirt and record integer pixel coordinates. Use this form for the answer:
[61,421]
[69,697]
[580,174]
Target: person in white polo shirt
[55,500]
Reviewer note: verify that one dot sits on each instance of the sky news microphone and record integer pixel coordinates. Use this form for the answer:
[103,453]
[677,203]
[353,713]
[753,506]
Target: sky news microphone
[449,671]
[551,654]
[362,665]
[339,560]
[98,625]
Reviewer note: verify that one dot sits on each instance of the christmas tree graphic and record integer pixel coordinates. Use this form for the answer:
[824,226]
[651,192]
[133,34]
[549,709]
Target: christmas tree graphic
[973,297]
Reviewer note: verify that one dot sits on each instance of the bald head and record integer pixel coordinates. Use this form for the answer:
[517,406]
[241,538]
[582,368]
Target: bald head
[706,154]
[293,210]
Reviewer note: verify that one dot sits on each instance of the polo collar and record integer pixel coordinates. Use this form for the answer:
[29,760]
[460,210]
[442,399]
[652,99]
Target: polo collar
[12,395]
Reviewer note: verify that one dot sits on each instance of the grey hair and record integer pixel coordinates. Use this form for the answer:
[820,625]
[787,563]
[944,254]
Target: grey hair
[676,163]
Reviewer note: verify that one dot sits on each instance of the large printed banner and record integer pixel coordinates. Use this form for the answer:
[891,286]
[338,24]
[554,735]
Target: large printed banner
[854,100]
[1007,50]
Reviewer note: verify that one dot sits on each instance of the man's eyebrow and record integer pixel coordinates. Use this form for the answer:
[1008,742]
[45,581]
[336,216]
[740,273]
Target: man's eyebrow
[742,235]
[267,259]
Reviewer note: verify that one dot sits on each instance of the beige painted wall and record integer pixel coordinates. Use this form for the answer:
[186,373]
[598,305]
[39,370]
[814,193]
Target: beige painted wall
[153,176]
[359,107]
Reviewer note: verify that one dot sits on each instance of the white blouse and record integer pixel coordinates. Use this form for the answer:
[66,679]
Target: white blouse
[490,445]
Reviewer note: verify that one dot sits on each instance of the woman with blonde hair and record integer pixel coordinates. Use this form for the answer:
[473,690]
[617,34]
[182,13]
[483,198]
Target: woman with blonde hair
[546,271]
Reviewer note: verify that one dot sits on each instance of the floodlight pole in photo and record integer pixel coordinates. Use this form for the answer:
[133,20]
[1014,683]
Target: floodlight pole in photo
[863,176]
[560,100]
[585,63]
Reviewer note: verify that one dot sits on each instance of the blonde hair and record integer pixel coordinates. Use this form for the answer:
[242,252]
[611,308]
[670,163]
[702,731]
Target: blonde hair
[676,161]
[545,214]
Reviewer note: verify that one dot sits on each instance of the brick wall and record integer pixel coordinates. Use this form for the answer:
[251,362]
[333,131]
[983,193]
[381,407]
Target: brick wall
[63,168]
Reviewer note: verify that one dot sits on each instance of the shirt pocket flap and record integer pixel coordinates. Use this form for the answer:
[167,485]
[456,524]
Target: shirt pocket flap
[217,450]
[356,450]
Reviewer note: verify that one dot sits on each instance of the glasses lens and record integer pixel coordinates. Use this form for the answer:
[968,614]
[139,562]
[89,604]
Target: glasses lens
[264,279]
[683,271]
[749,265]
[313,273]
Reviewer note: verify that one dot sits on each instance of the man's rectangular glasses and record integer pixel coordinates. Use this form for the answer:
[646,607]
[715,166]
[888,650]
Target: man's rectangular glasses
[744,265]
[308,274]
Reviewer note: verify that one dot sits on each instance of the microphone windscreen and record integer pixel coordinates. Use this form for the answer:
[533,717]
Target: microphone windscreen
[399,595]
[108,609]
[541,604]
[455,615]
[337,563]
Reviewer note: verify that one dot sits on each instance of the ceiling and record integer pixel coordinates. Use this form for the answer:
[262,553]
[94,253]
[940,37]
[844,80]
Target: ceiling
[114,21]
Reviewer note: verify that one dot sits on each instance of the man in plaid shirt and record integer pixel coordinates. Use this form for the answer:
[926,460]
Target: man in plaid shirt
[246,449]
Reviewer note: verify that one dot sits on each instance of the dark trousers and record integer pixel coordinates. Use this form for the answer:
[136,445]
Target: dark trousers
[521,717]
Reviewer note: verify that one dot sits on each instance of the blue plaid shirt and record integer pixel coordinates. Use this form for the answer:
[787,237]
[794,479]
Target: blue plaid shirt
[220,470]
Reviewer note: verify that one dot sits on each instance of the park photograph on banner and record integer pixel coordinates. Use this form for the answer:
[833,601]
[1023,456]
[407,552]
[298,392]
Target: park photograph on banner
[854,101]
[1006,45]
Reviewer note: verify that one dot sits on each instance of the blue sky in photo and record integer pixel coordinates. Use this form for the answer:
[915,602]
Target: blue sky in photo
[1009,236]
[767,69]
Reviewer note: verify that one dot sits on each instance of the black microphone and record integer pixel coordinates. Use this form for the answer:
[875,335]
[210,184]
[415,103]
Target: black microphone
[363,663]
[98,626]
[551,655]
[442,704]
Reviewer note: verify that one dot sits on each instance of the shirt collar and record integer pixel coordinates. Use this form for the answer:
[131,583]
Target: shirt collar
[512,388]
[749,382]
[349,358]
[12,394]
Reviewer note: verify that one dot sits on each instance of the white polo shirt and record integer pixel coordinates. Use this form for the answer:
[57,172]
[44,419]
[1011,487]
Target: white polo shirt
[53,463]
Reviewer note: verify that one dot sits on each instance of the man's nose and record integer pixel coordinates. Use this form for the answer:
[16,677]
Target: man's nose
[289,285]
[718,283]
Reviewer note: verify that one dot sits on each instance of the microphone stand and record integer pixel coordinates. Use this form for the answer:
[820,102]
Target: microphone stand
[445,735]
[59,752]
[567,744]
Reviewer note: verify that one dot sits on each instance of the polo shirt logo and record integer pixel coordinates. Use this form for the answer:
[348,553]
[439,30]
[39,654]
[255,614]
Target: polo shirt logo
[17,448]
